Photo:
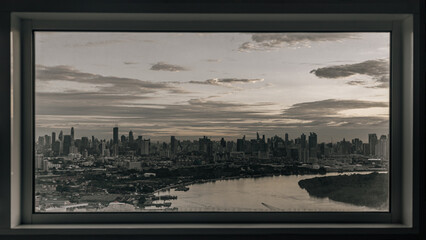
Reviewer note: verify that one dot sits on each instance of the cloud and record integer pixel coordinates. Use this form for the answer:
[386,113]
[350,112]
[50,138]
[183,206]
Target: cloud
[270,41]
[130,63]
[162,66]
[356,82]
[106,84]
[212,60]
[226,81]
[377,69]
[327,112]
[200,116]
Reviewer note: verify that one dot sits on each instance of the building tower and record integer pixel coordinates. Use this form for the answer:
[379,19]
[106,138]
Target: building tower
[115,135]
[72,133]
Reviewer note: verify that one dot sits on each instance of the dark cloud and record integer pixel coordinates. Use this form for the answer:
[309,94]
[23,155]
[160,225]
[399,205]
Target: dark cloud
[377,69]
[106,84]
[268,41]
[162,66]
[130,63]
[226,81]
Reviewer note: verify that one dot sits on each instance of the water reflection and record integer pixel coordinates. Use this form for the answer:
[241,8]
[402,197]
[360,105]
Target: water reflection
[275,193]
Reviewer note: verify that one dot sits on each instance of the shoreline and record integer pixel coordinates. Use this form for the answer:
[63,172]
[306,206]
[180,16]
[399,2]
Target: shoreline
[193,182]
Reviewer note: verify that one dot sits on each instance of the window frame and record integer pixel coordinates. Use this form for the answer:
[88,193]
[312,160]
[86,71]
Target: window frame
[401,214]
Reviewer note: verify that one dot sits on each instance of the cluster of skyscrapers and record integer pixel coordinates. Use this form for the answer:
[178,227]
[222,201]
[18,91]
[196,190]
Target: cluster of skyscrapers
[303,149]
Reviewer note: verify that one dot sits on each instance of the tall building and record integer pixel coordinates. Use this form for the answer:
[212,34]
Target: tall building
[173,144]
[303,140]
[313,141]
[372,141]
[53,137]
[103,148]
[206,146]
[61,136]
[382,147]
[145,145]
[286,138]
[67,144]
[131,138]
[41,141]
[72,133]
[115,135]
[47,140]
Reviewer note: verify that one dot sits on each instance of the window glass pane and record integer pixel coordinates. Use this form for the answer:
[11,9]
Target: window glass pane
[197,121]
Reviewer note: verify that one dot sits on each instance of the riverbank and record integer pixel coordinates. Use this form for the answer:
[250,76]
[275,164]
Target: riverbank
[370,190]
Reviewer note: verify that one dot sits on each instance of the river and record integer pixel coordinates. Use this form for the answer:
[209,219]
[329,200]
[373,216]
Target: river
[275,193]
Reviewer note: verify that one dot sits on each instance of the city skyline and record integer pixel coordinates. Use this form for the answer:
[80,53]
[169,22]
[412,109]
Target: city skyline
[134,136]
[334,84]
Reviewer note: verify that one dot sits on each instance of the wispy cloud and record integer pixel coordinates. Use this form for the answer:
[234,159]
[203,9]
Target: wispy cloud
[377,69]
[226,81]
[162,66]
[270,41]
[106,84]
[130,63]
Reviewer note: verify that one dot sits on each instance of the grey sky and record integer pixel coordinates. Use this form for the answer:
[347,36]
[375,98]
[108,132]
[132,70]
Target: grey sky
[212,84]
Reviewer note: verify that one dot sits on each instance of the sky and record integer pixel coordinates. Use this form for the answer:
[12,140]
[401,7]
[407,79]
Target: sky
[191,85]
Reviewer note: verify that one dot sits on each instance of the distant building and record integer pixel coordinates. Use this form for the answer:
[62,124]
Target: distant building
[131,137]
[67,144]
[372,141]
[53,138]
[72,133]
[115,135]
[39,161]
[145,145]
[173,144]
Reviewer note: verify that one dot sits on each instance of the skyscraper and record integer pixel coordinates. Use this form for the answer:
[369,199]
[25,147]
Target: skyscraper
[131,137]
[67,144]
[303,140]
[53,137]
[372,141]
[115,135]
[173,144]
[313,140]
[72,133]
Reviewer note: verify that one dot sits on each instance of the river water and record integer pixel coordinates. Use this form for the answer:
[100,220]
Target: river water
[277,193]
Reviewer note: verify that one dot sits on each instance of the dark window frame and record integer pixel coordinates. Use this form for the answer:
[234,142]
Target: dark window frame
[232,228]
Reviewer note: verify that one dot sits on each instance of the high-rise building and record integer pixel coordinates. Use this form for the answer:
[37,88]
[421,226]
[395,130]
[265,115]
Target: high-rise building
[313,141]
[115,135]
[67,144]
[145,145]
[47,140]
[103,148]
[61,136]
[286,138]
[173,144]
[372,141]
[72,133]
[123,139]
[53,137]
[41,141]
[131,137]
[382,147]
[303,140]
[206,146]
